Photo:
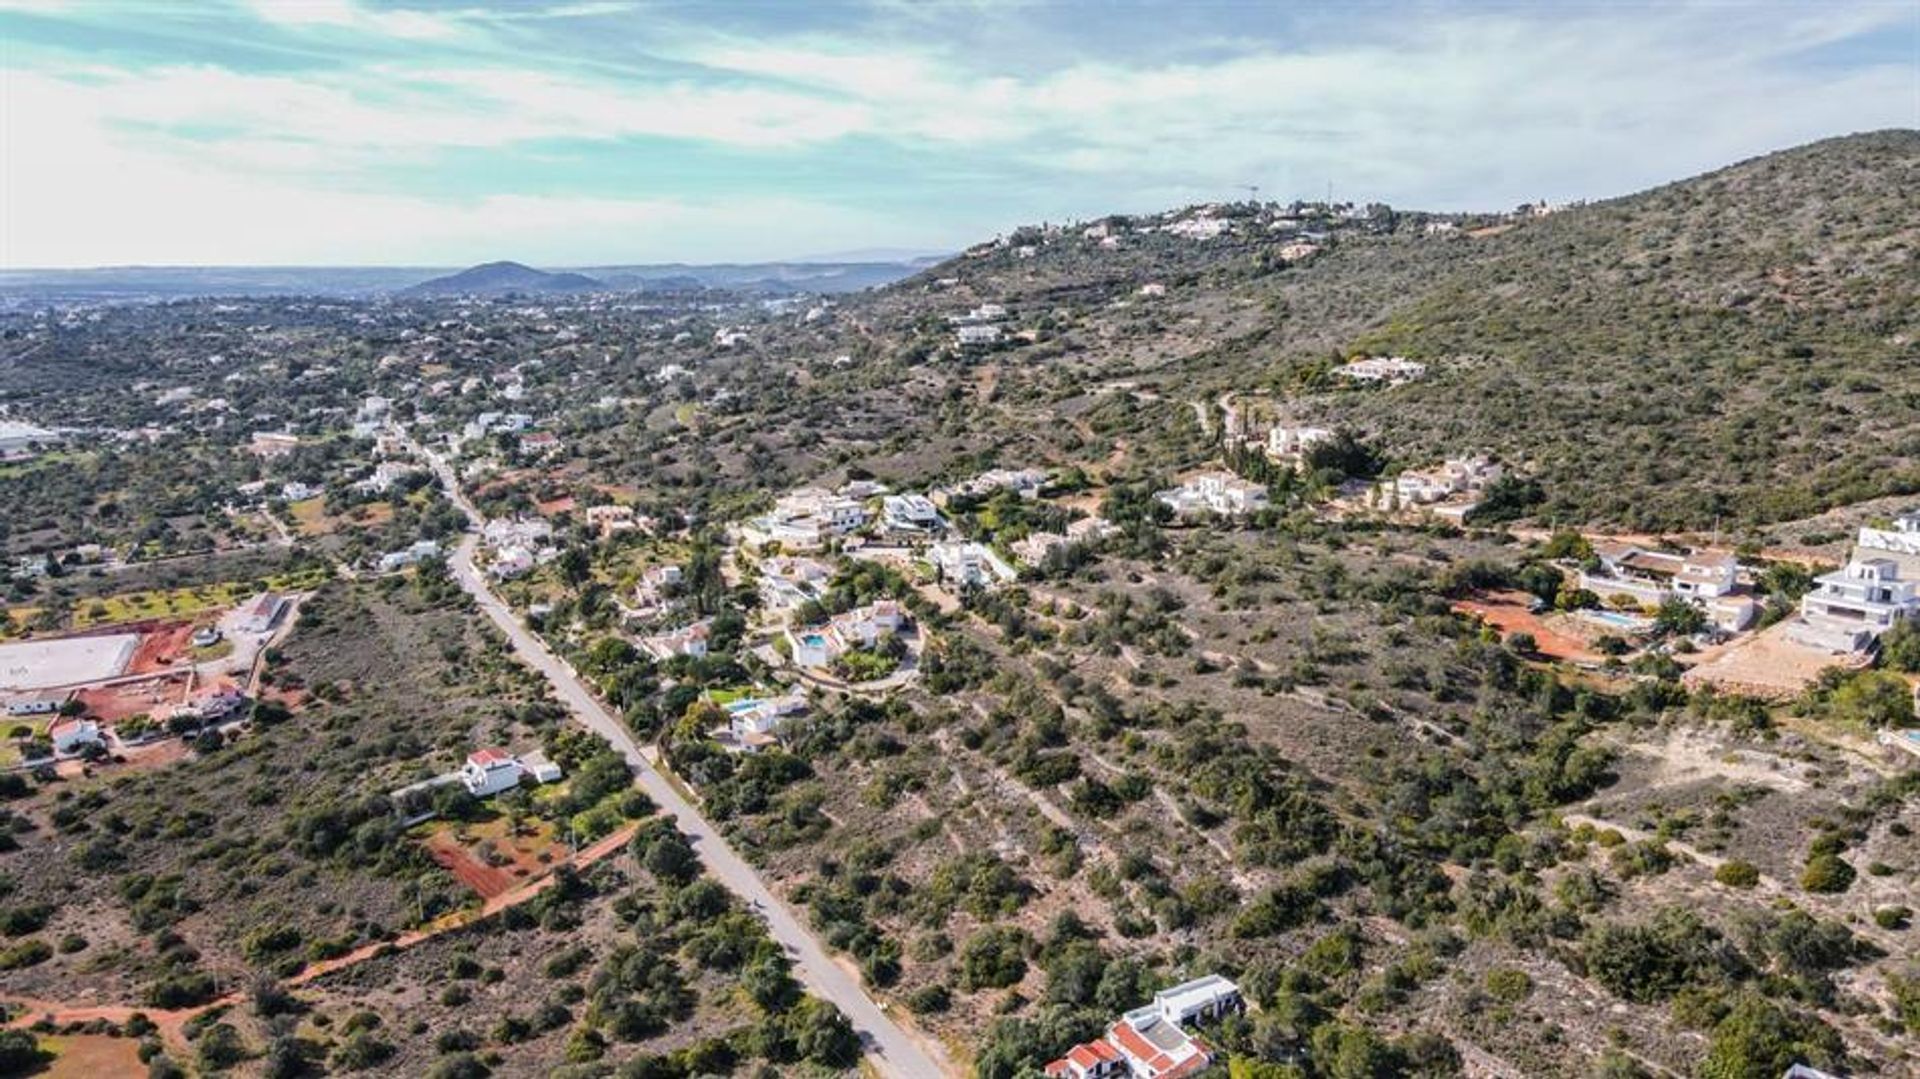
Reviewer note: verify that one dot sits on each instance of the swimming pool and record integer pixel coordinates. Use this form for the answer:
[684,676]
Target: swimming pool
[1616,620]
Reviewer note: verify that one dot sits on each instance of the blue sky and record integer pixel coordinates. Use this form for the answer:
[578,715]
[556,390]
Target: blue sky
[573,132]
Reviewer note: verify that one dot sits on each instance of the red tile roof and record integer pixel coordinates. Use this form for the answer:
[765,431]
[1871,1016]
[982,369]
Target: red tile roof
[487,758]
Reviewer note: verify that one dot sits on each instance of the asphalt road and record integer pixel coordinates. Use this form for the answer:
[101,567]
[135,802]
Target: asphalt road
[891,1049]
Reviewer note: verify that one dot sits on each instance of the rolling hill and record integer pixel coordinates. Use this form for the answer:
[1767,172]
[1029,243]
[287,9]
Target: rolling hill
[493,278]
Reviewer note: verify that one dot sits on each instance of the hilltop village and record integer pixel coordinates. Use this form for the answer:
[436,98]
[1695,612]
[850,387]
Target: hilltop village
[1255,640]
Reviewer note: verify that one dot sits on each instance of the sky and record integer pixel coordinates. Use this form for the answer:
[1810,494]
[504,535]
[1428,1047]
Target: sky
[584,132]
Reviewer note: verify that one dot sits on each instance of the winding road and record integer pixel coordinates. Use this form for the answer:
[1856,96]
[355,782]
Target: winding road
[890,1048]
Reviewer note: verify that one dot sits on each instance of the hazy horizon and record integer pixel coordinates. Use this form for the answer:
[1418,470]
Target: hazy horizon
[443,133]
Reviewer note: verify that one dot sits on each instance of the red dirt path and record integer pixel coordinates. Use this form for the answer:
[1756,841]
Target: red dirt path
[170,1022]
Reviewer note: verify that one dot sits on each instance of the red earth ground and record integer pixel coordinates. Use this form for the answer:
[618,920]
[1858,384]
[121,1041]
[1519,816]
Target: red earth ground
[1508,613]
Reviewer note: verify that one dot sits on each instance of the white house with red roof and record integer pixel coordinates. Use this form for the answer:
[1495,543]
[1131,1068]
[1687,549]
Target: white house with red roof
[1151,1042]
[71,734]
[490,771]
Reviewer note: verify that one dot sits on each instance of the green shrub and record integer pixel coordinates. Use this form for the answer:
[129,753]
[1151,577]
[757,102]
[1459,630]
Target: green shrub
[1827,873]
[1737,874]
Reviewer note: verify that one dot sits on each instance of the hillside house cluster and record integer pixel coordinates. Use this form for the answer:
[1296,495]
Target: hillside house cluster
[1221,493]
[1152,1041]
[1707,579]
[1849,608]
[862,627]
[519,544]
[979,327]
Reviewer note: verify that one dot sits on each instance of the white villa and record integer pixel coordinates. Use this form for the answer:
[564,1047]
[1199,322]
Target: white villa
[385,475]
[1215,492]
[1851,607]
[655,583]
[1033,550]
[986,312]
[910,513]
[611,518]
[805,519]
[1292,443]
[787,582]
[863,627]
[1151,1042]
[71,734]
[753,722]
[685,641]
[491,771]
[1025,482]
[1709,579]
[964,564]
[968,336]
[408,556]
[1392,370]
[1455,481]
[516,531]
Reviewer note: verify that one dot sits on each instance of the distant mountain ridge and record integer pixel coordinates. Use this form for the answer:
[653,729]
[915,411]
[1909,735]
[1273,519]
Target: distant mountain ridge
[110,284]
[494,278]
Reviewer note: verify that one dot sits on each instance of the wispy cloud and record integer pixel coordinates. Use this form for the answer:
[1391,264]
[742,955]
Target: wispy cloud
[348,15]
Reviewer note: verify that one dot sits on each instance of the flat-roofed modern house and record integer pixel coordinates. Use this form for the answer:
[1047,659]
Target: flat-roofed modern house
[1848,609]
[911,514]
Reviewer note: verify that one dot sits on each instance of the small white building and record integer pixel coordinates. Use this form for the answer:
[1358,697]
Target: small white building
[72,734]
[977,336]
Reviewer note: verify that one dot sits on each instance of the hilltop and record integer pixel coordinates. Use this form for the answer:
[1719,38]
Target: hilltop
[1665,359]
[497,277]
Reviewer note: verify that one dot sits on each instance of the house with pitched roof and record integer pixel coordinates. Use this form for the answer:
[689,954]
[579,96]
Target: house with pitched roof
[1708,579]
[1152,1041]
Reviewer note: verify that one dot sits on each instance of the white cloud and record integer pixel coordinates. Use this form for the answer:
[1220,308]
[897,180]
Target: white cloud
[183,162]
[348,15]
